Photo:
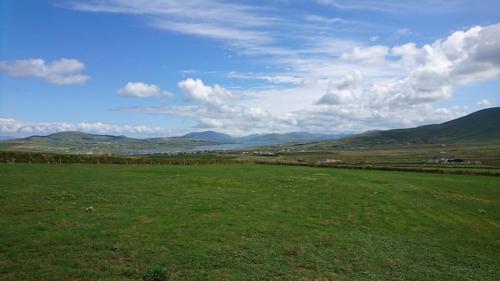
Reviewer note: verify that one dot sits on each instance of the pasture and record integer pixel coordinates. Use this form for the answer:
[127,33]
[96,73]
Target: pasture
[245,222]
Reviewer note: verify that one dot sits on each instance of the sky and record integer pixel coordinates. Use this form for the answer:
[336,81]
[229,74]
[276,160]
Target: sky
[164,68]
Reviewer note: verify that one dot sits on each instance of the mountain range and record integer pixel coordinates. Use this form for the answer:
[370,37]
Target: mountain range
[79,142]
[480,126]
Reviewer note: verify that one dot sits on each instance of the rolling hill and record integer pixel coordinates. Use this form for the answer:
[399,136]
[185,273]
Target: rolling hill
[210,136]
[480,126]
[79,142]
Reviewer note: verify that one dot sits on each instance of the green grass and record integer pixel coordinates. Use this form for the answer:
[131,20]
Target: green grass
[245,222]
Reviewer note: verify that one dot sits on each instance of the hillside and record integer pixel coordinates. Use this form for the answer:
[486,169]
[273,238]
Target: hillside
[480,126]
[210,136]
[78,142]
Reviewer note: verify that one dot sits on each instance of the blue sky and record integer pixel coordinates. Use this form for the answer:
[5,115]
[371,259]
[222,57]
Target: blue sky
[149,68]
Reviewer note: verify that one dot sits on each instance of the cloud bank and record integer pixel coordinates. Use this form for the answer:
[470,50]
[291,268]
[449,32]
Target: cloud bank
[59,72]
[15,127]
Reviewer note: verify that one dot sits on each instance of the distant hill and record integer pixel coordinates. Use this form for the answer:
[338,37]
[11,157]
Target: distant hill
[261,139]
[480,126]
[209,136]
[74,136]
[79,142]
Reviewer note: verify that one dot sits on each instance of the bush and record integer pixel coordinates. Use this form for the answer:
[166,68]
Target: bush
[155,274]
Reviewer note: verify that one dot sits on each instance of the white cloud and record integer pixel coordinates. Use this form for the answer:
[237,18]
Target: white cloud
[214,31]
[372,54]
[484,103]
[391,6]
[11,126]
[346,90]
[237,24]
[195,90]
[141,90]
[209,123]
[274,79]
[432,70]
[59,72]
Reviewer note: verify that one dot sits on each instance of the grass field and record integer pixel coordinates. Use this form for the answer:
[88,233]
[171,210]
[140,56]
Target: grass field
[245,222]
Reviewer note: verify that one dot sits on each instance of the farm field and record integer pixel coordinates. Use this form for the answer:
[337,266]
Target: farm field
[404,155]
[245,222]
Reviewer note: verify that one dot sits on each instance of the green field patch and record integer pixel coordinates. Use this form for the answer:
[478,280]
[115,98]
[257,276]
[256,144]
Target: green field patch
[245,222]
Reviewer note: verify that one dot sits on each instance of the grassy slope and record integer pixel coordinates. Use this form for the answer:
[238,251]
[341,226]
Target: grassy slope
[245,222]
[479,127]
[78,142]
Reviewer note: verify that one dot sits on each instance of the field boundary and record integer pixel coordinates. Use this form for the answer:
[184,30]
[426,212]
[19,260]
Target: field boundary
[386,168]
[49,158]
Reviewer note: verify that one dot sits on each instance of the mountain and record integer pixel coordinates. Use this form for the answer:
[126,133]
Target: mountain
[78,142]
[480,126]
[210,136]
[74,136]
[261,139]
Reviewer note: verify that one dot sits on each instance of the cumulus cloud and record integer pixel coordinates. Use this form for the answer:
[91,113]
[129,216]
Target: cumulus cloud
[423,76]
[59,72]
[213,107]
[12,126]
[432,71]
[195,90]
[345,90]
[141,90]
